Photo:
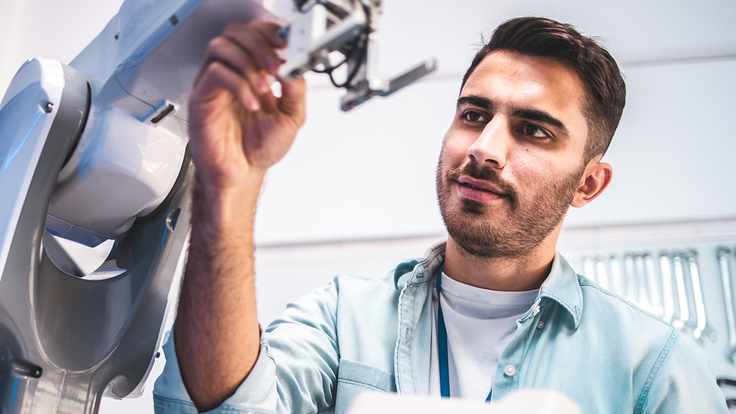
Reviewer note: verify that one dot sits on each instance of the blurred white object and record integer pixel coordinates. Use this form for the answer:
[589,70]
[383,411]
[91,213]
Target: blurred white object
[527,402]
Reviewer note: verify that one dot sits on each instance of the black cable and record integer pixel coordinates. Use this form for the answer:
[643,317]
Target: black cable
[329,69]
[362,51]
[726,381]
[300,5]
[352,50]
[359,46]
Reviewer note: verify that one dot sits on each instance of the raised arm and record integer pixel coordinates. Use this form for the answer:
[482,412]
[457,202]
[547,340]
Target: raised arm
[238,129]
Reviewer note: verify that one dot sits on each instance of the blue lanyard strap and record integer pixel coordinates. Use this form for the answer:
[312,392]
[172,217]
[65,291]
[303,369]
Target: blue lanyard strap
[442,349]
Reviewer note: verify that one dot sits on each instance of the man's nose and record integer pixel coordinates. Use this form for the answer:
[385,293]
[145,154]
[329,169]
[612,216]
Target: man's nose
[491,147]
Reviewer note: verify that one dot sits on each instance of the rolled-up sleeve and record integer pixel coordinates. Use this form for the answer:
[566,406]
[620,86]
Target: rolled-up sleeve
[296,370]
[681,382]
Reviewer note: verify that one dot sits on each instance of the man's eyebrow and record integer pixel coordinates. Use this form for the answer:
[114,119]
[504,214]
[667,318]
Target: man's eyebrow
[475,100]
[540,116]
[526,113]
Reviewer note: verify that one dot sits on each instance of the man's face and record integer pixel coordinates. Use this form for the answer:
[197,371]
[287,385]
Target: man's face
[513,156]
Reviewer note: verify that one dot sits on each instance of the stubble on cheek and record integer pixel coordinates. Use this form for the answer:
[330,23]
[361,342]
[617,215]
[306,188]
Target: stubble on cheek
[512,228]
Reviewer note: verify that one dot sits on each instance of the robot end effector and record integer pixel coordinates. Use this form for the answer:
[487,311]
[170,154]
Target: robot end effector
[348,28]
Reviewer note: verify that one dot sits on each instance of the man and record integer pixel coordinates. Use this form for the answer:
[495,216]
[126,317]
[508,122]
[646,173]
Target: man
[492,310]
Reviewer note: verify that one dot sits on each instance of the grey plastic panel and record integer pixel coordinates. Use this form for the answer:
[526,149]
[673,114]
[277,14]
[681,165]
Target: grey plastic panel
[64,340]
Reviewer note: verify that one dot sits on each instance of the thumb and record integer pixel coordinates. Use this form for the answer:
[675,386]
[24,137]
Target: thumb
[292,98]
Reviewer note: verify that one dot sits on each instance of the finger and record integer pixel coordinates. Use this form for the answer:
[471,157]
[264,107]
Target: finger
[292,101]
[225,50]
[218,77]
[268,101]
[255,43]
[269,31]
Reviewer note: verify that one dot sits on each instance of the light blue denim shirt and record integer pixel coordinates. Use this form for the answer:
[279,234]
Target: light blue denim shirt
[375,334]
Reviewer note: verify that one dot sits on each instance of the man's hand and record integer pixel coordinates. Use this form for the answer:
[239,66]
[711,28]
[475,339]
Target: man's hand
[238,128]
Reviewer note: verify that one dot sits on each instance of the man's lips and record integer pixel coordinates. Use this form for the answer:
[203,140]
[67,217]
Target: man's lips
[480,185]
[477,190]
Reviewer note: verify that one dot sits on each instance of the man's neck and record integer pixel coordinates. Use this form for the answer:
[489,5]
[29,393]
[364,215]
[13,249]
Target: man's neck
[525,272]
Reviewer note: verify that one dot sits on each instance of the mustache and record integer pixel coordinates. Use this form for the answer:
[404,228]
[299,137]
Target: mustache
[474,170]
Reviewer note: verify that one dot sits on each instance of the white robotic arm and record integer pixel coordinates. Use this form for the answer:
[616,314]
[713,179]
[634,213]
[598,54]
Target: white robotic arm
[136,135]
[94,167]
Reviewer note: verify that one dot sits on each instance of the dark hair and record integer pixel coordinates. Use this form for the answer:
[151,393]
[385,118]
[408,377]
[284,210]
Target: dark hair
[605,87]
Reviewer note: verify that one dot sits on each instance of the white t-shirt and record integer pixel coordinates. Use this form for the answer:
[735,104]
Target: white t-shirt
[479,325]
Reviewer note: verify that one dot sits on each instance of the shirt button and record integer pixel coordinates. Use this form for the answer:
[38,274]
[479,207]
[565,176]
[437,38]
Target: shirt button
[535,309]
[540,325]
[509,370]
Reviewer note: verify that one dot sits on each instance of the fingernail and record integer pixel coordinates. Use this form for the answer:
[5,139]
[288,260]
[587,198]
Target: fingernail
[283,33]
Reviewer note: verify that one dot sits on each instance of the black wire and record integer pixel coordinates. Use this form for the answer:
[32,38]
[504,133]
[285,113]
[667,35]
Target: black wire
[359,47]
[362,50]
[301,3]
[353,73]
[726,381]
[329,69]
[352,50]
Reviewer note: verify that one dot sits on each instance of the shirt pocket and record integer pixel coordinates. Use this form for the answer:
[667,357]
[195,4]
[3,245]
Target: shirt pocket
[354,378]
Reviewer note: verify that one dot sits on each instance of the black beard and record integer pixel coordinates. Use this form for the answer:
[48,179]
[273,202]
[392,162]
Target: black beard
[529,221]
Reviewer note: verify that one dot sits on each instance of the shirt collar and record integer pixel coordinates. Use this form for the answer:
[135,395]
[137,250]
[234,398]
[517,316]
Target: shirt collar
[561,286]
[422,270]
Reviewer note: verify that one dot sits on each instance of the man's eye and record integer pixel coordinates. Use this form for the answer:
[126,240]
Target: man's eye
[474,117]
[534,131]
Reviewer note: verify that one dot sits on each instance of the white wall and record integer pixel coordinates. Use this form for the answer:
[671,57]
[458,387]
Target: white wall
[370,173]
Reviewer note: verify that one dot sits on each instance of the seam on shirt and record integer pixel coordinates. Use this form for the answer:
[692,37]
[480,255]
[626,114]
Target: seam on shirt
[225,408]
[401,339]
[362,384]
[524,354]
[663,355]
[627,303]
[234,410]
[172,400]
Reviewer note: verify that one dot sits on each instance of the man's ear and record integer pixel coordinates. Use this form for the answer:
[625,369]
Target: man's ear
[595,179]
